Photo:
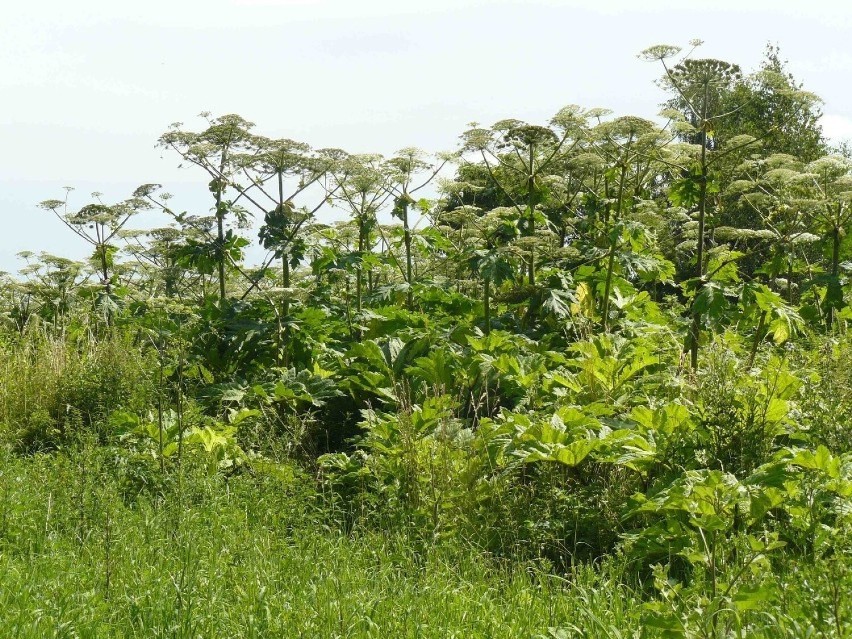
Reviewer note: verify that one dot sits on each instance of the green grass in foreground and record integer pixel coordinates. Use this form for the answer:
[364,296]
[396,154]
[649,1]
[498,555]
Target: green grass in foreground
[250,557]
[244,558]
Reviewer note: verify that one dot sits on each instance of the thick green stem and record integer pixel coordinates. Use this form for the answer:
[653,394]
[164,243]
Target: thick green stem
[220,226]
[285,281]
[105,279]
[160,426]
[758,337]
[835,271]
[409,268]
[790,277]
[610,267]
[359,282]
[285,312]
[486,301]
[348,308]
[530,230]
[695,329]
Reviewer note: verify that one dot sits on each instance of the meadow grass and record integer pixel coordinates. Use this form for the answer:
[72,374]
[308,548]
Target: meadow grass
[249,556]
[95,545]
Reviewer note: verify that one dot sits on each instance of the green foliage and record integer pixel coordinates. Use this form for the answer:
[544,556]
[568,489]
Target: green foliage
[489,404]
[55,390]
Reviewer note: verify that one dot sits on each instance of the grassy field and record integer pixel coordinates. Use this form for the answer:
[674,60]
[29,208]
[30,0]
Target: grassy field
[248,557]
[251,556]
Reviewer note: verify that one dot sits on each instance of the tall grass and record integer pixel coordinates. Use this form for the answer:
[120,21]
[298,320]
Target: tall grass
[54,385]
[249,557]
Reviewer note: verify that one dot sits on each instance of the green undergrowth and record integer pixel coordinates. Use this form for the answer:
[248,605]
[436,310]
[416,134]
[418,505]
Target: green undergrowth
[258,554]
[604,494]
[249,556]
[54,386]
[599,387]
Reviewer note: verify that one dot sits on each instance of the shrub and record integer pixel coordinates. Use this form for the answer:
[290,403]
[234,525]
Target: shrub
[53,389]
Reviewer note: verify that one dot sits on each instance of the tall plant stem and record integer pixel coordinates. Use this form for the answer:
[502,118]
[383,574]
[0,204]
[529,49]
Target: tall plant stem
[220,226]
[695,328]
[409,267]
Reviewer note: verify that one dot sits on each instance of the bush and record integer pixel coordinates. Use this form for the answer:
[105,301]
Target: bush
[54,389]
[742,413]
[827,395]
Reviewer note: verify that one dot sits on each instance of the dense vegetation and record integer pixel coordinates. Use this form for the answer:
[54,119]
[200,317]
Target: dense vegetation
[596,384]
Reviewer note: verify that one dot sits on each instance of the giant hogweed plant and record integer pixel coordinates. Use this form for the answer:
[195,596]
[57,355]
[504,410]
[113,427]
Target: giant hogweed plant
[510,370]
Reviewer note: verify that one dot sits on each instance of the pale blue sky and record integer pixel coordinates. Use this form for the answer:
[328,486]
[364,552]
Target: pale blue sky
[90,85]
